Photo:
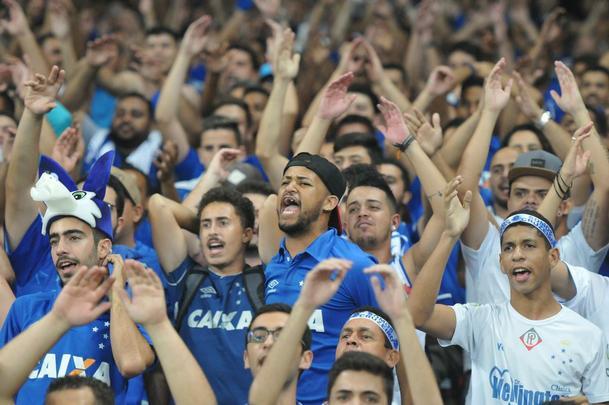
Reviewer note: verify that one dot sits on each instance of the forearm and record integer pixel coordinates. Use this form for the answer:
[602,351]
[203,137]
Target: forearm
[423,100]
[269,132]
[421,379]
[599,160]
[559,139]
[29,46]
[167,106]
[6,300]
[186,380]
[390,91]
[207,182]
[209,92]
[314,136]
[474,155]
[168,189]
[76,88]
[288,120]
[413,58]
[69,55]
[20,355]
[560,187]
[130,350]
[424,293]
[272,377]
[167,234]
[431,179]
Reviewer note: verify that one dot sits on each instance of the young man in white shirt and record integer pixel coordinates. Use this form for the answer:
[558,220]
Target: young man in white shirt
[530,349]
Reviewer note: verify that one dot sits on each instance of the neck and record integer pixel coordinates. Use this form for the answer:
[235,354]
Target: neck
[127,240]
[561,227]
[536,305]
[298,243]
[499,210]
[234,267]
[382,251]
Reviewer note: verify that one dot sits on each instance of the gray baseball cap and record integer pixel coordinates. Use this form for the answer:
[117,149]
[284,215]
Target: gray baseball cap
[535,163]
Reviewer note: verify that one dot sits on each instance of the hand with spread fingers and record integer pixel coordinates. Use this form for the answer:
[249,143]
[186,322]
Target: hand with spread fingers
[570,99]
[146,305]
[42,91]
[396,131]
[497,95]
[80,300]
[391,298]
[456,214]
[335,101]
[322,282]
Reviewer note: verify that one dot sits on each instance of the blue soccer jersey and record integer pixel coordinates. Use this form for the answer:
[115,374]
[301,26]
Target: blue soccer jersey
[284,279]
[32,263]
[83,351]
[214,329]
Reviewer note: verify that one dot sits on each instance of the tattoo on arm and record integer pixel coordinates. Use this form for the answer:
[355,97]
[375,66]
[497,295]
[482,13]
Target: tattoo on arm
[590,219]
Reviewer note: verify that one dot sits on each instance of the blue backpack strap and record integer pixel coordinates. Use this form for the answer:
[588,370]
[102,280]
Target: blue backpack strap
[254,280]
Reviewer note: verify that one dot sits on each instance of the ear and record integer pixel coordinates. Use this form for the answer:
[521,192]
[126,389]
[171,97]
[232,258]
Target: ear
[330,203]
[47,164]
[120,222]
[138,213]
[564,208]
[246,362]
[500,265]
[104,248]
[98,177]
[306,359]
[392,358]
[407,197]
[395,221]
[554,257]
[247,235]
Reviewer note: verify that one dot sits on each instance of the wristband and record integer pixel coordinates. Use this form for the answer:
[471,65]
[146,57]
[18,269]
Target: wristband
[404,145]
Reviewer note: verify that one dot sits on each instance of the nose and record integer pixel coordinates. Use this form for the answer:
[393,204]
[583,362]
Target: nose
[60,249]
[518,254]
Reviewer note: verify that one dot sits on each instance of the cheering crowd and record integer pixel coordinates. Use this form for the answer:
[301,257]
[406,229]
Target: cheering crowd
[304,202]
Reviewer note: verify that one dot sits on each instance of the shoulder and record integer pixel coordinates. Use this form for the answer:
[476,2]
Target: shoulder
[37,304]
[344,248]
[581,325]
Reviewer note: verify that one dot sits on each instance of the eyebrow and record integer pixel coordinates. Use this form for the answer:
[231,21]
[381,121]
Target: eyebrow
[67,233]
[216,218]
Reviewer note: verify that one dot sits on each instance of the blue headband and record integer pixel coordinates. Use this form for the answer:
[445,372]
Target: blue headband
[381,323]
[540,225]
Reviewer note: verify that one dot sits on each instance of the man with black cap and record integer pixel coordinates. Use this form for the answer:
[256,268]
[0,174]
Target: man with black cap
[307,209]
[533,176]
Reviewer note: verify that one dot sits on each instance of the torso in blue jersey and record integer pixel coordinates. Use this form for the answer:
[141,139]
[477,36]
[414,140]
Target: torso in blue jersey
[32,263]
[214,330]
[284,280]
[83,350]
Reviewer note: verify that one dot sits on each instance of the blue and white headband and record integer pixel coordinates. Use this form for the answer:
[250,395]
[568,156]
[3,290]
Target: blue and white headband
[381,323]
[545,229]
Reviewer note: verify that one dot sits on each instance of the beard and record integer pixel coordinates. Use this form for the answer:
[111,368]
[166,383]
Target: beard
[302,224]
[366,242]
[130,143]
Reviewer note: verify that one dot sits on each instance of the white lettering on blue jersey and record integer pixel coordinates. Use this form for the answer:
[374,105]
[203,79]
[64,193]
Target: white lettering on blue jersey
[80,366]
[316,321]
[219,320]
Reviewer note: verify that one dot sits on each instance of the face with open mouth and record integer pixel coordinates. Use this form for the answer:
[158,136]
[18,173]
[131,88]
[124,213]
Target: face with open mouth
[300,200]
[525,258]
[223,238]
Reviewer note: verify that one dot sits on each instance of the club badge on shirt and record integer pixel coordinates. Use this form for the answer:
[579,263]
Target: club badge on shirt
[530,339]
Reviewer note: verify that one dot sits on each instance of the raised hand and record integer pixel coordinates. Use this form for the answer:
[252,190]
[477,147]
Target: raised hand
[396,130]
[496,96]
[196,36]
[286,64]
[551,28]
[146,305]
[392,298]
[525,101]
[118,265]
[40,97]
[456,216]
[59,19]
[323,281]
[69,148]
[349,62]
[165,162]
[268,8]
[576,161]
[101,51]
[17,23]
[428,136]
[20,73]
[570,99]
[374,67]
[222,161]
[335,101]
[440,81]
[79,301]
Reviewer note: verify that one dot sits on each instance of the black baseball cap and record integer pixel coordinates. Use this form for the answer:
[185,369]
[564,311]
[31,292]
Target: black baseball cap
[535,163]
[329,175]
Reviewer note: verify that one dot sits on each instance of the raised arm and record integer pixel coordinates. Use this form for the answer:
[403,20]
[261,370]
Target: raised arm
[453,147]
[130,350]
[18,27]
[436,319]
[320,285]
[167,218]
[432,180]
[421,381]
[147,307]
[440,81]
[269,131]
[596,216]
[59,18]
[78,303]
[21,210]
[496,97]
[166,113]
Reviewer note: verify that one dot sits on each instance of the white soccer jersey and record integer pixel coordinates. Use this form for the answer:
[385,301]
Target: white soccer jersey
[487,284]
[516,360]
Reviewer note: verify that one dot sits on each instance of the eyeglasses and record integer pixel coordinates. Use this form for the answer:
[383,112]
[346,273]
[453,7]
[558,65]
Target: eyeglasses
[260,334]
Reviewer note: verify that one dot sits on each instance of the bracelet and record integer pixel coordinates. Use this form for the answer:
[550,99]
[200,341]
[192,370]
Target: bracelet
[562,197]
[404,145]
[568,186]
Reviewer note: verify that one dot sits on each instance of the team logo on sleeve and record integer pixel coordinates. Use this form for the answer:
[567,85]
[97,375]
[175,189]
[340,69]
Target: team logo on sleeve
[530,339]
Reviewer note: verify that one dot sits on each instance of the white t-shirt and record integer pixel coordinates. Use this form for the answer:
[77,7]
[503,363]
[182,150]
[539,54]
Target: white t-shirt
[487,284]
[516,360]
[592,298]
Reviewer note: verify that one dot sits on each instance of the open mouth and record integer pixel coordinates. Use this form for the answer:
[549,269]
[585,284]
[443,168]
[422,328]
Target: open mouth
[289,205]
[521,274]
[215,246]
[67,266]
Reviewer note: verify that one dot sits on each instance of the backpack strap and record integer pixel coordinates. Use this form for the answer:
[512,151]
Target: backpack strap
[194,278]
[254,280]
